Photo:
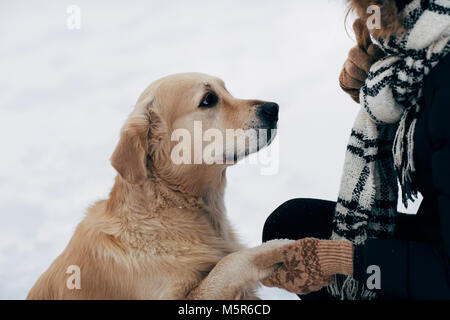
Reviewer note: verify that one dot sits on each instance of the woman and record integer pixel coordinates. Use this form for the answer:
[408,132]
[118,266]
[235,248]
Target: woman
[401,136]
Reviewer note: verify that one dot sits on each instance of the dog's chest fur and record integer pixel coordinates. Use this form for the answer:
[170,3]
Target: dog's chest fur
[129,247]
[172,250]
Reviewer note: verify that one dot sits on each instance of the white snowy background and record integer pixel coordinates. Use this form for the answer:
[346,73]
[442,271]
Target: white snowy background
[64,95]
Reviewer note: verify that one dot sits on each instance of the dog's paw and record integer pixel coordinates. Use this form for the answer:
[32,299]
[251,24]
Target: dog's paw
[251,265]
[268,257]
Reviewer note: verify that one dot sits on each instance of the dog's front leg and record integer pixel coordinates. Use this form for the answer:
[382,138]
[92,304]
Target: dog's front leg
[239,270]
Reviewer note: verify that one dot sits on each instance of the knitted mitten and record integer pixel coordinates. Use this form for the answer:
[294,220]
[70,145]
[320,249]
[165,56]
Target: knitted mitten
[360,59]
[310,264]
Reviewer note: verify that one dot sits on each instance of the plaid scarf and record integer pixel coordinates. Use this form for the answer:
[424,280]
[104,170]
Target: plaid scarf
[380,151]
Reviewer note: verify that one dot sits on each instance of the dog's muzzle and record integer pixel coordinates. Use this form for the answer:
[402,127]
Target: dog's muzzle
[268,113]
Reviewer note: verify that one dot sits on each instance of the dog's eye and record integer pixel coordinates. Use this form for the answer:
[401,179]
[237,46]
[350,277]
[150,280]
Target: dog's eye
[209,100]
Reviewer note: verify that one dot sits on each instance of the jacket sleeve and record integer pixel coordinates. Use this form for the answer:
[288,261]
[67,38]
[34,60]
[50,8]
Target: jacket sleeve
[411,269]
[441,158]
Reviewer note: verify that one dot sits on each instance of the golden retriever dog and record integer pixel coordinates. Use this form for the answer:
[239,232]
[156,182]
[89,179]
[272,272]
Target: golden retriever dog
[163,232]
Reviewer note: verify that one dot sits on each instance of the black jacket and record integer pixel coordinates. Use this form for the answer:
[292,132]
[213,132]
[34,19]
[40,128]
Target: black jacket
[416,265]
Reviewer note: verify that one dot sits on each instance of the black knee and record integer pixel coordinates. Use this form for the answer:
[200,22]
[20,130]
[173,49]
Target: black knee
[274,227]
[300,218]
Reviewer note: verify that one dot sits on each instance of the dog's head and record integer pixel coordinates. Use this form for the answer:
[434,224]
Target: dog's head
[194,118]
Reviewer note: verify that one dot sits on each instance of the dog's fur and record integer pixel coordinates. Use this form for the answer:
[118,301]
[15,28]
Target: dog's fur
[163,233]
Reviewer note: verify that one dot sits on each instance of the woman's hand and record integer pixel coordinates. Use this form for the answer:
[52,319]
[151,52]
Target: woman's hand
[310,264]
[360,59]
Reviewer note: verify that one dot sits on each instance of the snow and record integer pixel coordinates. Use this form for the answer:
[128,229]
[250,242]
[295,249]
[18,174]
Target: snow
[66,93]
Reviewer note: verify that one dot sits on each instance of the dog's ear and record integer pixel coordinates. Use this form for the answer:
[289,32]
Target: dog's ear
[130,156]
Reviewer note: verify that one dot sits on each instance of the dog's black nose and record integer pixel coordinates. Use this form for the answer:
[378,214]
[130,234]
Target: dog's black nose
[270,110]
